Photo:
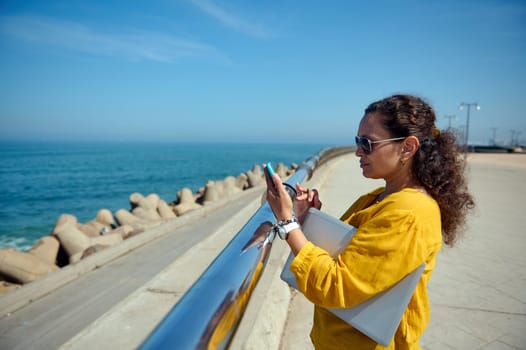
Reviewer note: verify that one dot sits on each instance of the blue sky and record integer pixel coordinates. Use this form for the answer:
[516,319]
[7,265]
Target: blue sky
[276,71]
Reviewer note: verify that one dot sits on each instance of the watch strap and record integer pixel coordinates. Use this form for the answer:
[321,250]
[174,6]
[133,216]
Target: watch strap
[285,229]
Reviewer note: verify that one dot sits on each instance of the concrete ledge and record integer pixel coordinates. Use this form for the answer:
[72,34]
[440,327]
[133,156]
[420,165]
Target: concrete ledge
[266,313]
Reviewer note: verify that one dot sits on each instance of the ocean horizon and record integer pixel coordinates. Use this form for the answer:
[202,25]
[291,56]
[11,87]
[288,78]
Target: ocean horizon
[41,180]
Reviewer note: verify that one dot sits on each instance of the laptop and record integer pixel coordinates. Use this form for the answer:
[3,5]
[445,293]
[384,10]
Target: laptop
[379,316]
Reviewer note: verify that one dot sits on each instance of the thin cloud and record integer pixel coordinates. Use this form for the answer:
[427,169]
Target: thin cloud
[230,19]
[136,46]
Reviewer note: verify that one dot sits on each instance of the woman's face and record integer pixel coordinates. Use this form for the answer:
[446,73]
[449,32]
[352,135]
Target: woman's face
[383,162]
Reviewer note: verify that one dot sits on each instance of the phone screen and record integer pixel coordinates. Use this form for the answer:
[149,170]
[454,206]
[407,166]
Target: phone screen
[270,169]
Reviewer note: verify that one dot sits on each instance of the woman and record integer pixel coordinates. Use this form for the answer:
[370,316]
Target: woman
[399,226]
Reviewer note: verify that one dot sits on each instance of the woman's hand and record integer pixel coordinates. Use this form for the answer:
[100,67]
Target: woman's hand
[277,197]
[305,200]
[281,203]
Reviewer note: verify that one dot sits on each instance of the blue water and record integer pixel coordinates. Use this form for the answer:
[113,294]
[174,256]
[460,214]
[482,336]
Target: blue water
[41,181]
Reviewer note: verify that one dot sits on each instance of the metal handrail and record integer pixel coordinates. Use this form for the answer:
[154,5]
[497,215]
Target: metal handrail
[207,316]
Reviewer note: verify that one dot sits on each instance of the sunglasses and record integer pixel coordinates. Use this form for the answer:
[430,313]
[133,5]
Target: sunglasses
[367,145]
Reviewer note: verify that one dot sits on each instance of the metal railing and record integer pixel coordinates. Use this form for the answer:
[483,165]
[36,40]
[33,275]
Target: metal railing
[207,316]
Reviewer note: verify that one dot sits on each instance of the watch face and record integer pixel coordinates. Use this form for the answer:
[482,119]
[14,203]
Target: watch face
[282,232]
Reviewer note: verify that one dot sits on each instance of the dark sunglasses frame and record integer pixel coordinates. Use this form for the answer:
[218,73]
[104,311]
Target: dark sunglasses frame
[367,145]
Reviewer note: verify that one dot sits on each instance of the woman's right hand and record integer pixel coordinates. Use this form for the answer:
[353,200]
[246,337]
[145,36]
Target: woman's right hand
[305,200]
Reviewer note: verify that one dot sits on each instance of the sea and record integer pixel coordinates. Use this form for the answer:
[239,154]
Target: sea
[39,181]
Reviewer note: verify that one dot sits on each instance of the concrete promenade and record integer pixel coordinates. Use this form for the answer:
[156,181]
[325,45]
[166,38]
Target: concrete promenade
[477,292]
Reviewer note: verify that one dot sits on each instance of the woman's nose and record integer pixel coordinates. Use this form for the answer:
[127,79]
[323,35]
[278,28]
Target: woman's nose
[359,152]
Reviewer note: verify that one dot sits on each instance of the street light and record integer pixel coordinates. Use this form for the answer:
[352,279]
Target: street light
[494,138]
[515,138]
[468,105]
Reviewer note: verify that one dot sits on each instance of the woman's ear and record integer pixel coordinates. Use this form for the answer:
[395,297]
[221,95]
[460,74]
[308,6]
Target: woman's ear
[410,147]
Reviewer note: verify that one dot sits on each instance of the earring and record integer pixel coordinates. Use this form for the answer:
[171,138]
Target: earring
[402,162]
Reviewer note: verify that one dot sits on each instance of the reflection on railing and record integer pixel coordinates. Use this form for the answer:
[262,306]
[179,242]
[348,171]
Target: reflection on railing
[208,314]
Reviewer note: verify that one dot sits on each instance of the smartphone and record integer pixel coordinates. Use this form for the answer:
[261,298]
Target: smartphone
[290,190]
[270,169]
[270,172]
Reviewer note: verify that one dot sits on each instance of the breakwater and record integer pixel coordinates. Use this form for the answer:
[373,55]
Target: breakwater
[71,240]
[39,181]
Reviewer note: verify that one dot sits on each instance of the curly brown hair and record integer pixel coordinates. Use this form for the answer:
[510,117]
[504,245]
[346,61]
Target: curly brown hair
[438,165]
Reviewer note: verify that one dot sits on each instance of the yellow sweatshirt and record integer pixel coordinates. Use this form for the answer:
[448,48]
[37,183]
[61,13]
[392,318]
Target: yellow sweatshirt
[393,237]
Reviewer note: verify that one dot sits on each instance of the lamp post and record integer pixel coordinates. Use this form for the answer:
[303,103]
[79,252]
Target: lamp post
[494,138]
[515,138]
[461,107]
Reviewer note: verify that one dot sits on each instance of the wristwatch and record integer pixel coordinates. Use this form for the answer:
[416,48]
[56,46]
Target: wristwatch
[282,228]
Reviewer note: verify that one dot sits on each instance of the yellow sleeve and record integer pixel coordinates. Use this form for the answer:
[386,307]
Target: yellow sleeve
[384,249]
